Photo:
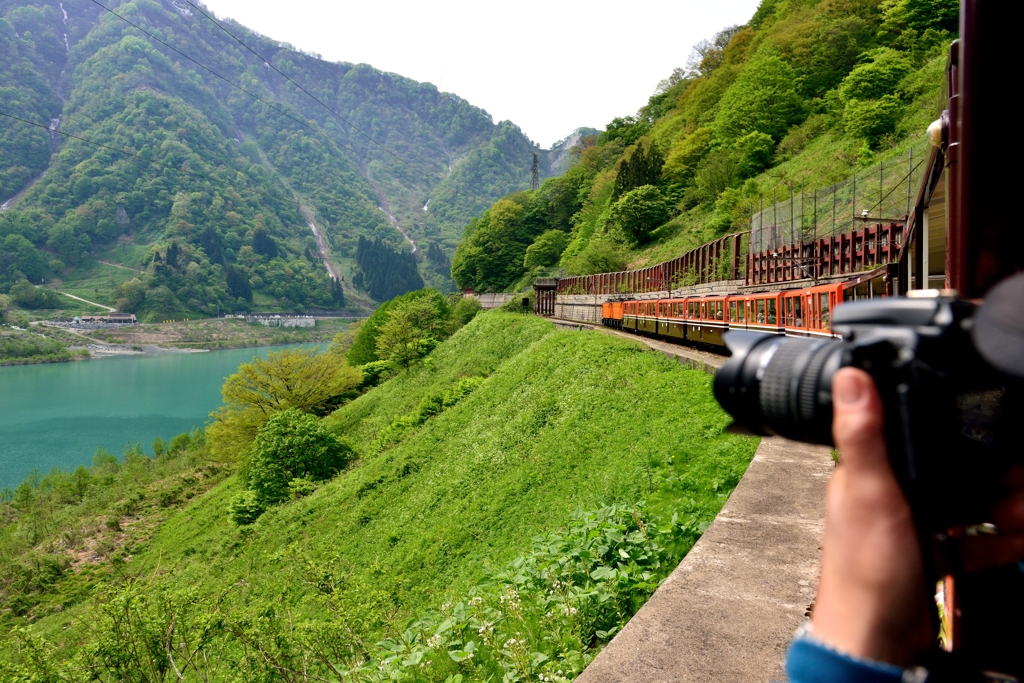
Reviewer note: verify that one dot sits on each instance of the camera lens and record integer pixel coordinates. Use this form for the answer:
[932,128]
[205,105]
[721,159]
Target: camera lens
[780,385]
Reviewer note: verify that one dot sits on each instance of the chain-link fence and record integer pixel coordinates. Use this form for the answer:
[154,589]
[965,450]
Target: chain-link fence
[882,193]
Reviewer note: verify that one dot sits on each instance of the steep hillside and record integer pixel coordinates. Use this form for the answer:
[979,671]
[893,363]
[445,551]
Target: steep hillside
[234,159]
[803,95]
[427,524]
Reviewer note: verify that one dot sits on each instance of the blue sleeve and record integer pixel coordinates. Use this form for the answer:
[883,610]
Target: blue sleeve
[811,661]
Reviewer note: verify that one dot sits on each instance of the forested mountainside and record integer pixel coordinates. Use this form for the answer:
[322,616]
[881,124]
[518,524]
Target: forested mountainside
[808,91]
[232,161]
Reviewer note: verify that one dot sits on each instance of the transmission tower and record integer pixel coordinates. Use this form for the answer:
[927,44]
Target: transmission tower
[535,174]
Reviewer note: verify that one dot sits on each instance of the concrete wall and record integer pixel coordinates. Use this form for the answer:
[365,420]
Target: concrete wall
[587,307]
[493,300]
[286,322]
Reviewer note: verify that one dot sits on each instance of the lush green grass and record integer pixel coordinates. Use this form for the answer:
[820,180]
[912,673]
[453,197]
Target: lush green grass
[565,421]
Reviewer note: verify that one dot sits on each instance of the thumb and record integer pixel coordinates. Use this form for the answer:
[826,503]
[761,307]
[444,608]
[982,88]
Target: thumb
[857,425]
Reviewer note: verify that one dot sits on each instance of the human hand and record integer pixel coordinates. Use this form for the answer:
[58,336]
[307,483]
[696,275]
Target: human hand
[873,600]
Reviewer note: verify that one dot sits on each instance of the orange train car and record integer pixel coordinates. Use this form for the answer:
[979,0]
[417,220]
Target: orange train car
[705,320]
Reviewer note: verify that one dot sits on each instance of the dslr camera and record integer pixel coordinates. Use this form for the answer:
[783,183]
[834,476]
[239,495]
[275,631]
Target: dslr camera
[949,373]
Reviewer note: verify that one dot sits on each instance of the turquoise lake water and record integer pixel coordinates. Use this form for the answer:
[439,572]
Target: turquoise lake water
[58,414]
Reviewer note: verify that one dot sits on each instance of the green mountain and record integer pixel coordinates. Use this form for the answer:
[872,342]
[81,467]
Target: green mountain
[233,161]
[802,96]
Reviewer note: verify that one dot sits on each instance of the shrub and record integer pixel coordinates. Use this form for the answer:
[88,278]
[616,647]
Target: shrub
[465,310]
[376,372]
[872,119]
[245,508]
[292,445]
[639,212]
[515,304]
[301,487]
[599,256]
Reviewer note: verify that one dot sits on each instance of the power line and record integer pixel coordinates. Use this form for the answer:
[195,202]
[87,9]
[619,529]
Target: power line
[113,149]
[287,78]
[304,124]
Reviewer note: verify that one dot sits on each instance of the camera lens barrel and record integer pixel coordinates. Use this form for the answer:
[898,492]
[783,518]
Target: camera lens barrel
[780,385]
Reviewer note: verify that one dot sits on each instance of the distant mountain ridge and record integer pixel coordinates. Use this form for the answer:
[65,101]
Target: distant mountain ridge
[232,164]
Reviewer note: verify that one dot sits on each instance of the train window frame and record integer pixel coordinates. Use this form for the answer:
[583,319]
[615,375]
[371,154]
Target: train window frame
[788,314]
[771,311]
[798,317]
[825,313]
[732,312]
[720,310]
[742,310]
[761,320]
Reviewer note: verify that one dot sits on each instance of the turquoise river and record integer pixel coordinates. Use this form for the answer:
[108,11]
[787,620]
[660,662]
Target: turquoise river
[58,414]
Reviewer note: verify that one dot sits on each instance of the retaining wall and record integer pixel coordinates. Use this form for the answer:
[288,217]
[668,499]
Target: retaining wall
[492,300]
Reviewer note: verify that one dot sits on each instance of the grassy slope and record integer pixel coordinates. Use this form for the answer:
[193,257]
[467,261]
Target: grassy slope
[564,421]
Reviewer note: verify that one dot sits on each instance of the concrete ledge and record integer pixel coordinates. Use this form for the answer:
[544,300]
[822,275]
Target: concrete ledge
[727,612]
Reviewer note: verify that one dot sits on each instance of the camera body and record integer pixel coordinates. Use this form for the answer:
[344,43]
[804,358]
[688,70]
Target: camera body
[949,429]
[946,408]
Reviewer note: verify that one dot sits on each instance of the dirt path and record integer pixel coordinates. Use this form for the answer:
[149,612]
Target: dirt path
[117,265]
[91,303]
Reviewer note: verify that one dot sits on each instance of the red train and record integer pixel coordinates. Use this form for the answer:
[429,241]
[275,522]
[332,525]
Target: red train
[703,320]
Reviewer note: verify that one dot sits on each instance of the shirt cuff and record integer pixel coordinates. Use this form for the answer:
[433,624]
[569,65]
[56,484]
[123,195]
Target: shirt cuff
[812,661]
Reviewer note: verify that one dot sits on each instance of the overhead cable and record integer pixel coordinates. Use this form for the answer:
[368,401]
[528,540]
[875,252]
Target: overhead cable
[302,123]
[287,78]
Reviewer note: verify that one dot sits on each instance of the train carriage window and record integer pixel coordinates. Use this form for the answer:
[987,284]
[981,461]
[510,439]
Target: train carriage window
[789,311]
[772,320]
[743,309]
[826,319]
[799,319]
[703,310]
[720,310]
[732,312]
[760,310]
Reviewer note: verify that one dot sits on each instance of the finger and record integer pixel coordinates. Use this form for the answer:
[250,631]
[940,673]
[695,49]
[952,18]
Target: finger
[858,421]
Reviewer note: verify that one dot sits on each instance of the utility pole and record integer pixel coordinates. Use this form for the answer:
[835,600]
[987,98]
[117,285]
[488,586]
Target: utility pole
[535,174]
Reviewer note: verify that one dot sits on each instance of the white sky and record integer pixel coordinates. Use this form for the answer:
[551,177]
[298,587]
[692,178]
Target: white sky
[548,66]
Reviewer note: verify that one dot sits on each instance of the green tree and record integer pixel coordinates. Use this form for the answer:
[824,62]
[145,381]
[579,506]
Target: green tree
[876,78]
[300,379]
[412,329]
[681,164]
[546,249]
[639,212]
[363,348]
[292,445]
[764,98]
[490,257]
